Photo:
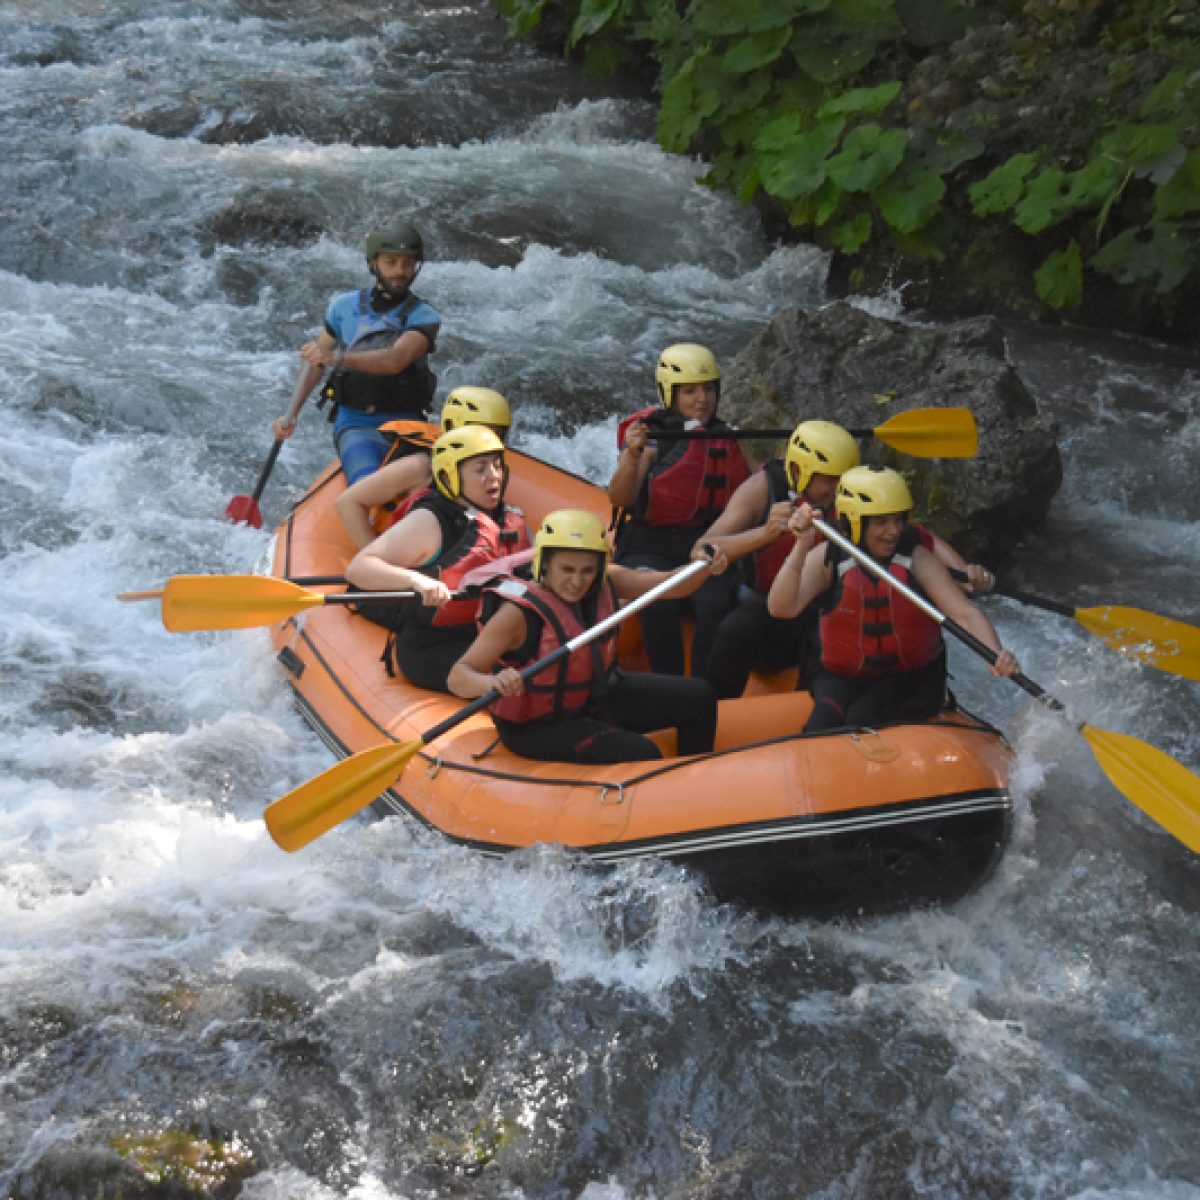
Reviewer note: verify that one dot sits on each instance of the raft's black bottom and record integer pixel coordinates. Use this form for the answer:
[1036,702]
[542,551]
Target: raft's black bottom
[926,862]
[860,863]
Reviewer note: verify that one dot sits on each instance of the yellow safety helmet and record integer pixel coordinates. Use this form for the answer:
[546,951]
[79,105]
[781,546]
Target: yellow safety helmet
[570,529]
[818,448]
[871,492]
[453,448]
[684,363]
[475,406]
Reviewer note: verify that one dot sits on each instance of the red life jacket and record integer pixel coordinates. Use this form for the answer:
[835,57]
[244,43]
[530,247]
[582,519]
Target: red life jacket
[568,685]
[869,629]
[767,562]
[406,504]
[690,481]
[470,539]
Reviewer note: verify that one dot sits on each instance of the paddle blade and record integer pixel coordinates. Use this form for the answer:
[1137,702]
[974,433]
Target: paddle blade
[1162,642]
[1165,790]
[932,433]
[244,510]
[317,806]
[196,602]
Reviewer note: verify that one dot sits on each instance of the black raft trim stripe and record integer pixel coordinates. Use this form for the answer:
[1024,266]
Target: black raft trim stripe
[783,830]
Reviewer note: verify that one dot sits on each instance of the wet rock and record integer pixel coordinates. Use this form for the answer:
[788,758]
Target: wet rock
[272,216]
[842,364]
[171,1164]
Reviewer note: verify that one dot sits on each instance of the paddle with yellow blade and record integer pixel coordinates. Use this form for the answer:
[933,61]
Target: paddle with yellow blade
[1163,642]
[317,806]
[303,580]
[919,433]
[191,603]
[1164,789]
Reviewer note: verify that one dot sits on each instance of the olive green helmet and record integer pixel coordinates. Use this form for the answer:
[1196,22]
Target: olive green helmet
[570,529]
[396,237]
[684,363]
[818,448]
[871,492]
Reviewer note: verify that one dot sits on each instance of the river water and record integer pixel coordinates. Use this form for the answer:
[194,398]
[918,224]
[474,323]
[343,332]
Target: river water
[384,1017]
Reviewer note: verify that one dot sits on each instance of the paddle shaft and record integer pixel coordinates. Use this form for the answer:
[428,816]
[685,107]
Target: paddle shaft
[707,435]
[267,468]
[934,613]
[1054,606]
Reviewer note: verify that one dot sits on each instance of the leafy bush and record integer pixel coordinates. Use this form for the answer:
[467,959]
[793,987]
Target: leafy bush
[851,118]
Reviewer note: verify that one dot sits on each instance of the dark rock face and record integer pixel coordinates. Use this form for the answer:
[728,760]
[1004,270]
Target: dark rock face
[272,216]
[842,364]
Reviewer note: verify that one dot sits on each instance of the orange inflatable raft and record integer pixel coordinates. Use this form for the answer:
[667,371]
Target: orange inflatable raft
[854,821]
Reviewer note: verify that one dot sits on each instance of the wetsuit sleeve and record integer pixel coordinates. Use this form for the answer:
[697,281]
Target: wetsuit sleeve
[430,331]
[335,318]
[425,319]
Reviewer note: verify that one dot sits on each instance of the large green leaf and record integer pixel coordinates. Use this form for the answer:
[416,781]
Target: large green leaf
[678,120]
[757,50]
[1154,254]
[1002,188]
[861,100]
[850,235]
[1181,193]
[779,133]
[523,16]
[1137,145]
[800,167]
[657,22]
[942,150]
[876,15]
[818,207]
[1059,280]
[593,16]
[747,101]
[1046,201]
[908,204]
[720,18]
[1095,182]
[869,154]
[830,56]
[1164,98]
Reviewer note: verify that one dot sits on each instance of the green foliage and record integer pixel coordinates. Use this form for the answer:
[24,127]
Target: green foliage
[1154,254]
[809,105]
[1059,279]
[523,16]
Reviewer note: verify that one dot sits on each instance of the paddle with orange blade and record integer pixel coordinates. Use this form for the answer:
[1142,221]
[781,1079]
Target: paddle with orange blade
[1164,789]
[919,433]
[317,806]
[1163,642]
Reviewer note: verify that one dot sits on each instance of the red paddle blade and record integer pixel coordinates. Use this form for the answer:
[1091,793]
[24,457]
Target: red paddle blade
[244,510]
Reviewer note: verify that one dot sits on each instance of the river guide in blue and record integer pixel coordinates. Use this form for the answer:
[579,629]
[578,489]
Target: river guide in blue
[378,341]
